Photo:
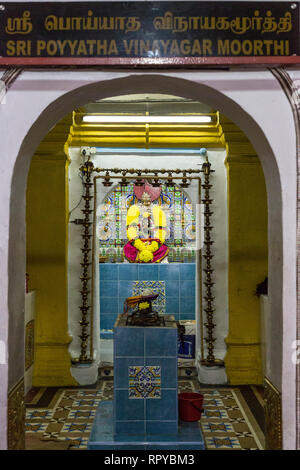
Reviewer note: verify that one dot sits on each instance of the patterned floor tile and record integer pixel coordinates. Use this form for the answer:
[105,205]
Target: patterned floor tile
[213,402]
[222,443]
[86,402]
[90,393]
[81,414]
[35,427]
[39,414]
[81,442]
[214,414]
[224,422]
[76,427]
[216,427]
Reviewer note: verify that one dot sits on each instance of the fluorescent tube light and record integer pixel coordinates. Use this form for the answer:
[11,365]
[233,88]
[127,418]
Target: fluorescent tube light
[147,119]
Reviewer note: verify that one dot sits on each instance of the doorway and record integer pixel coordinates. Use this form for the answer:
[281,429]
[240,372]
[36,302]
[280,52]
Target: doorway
[273,351]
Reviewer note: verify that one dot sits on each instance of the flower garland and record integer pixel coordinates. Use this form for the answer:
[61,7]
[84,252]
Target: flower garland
[132,233]
[145,250]
[144,305]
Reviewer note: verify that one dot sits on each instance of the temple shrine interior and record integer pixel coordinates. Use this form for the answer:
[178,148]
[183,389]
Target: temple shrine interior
[147,280]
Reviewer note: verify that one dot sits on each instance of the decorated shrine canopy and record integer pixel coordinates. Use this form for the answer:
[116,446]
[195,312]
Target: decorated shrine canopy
[149,33]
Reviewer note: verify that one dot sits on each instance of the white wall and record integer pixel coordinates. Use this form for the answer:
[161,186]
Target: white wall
[251,98]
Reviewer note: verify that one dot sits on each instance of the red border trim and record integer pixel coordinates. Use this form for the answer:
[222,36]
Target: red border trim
[169,61]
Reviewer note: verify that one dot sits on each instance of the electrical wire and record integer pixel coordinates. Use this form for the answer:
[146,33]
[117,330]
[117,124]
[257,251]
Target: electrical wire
[74,208]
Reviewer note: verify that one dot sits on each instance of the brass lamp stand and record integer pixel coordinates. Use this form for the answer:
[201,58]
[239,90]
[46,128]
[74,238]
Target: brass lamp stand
[87,170]
[210,360]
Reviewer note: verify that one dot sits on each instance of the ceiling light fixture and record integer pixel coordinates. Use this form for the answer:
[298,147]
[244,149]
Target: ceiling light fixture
[102,119]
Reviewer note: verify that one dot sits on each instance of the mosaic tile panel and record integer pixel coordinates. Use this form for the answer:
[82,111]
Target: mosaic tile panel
[111,223]
[157,287]
[144,382]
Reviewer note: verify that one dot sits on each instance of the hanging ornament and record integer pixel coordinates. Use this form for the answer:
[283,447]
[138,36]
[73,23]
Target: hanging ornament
[184,183]
[107,181]
[170,181]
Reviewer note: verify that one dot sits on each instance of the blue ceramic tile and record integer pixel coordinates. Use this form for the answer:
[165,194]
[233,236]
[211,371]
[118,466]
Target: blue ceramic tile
[106,334]
[187,305]
[126,429]
[172,305]
[128,272]
[121,305]
[168,367]
[103,424]
[165,409]
[125,289]
[165,446]
[124,446]
[108,272]
[198,444]
[108,289]
[132,435]
[187,271]
[121,379]
[127,409]
[108,305]
[129,341]
[161,342]
[168,272]
[187,316]
[187,288]
[159,428]
[172,288]
[148,273]
[107,321]
[131,438]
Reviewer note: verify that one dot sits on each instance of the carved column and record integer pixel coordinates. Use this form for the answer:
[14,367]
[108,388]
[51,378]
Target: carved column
[247,264]
[16,418]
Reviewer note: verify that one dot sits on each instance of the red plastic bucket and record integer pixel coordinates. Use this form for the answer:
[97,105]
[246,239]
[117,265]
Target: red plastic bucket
[190,406]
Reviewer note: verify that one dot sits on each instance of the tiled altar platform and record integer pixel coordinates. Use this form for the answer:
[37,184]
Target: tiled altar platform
[145,378]
[188,437]
[144,414]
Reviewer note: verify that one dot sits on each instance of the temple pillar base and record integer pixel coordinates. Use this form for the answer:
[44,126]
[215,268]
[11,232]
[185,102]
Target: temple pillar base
[211,375]
[85,374]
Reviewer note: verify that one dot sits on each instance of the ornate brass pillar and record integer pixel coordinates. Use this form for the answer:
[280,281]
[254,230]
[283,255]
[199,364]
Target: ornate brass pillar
[85,307]
[209,308]
[210,359]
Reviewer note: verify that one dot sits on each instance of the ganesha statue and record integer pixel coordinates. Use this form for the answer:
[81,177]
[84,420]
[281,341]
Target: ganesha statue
[146,227]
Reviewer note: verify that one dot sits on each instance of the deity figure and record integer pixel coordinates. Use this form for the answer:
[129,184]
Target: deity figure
[146,227]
